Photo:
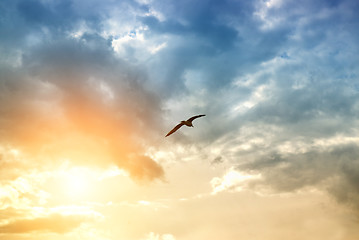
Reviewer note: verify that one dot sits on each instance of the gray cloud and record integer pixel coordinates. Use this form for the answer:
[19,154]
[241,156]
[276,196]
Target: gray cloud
[333,169]
[303,54]
[217,160]
[67,89]
[307,67]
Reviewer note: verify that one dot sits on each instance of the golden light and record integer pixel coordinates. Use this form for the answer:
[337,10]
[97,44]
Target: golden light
[76,182]
[15,152]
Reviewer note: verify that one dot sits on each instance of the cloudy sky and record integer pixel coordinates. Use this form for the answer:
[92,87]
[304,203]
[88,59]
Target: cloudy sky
[89,89]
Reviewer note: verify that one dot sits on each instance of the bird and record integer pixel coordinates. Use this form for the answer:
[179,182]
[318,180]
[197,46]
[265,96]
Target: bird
[188,123]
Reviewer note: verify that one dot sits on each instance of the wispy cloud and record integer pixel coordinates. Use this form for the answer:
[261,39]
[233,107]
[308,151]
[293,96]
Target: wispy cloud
[154,236]
[53,223]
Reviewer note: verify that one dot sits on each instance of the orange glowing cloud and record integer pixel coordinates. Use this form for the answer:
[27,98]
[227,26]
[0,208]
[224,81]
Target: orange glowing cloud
[53,223]
[90,117]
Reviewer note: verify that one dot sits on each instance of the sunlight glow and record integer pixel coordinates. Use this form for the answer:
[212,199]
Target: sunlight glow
[232,181]
[154,236]
[15,152]
[76,182]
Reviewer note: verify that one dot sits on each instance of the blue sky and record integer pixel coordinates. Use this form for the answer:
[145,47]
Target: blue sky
[97,84]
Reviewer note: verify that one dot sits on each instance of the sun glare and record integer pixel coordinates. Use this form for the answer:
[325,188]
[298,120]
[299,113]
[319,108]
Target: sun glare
[76,182]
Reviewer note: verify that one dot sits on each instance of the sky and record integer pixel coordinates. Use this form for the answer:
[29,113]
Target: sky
[90,88]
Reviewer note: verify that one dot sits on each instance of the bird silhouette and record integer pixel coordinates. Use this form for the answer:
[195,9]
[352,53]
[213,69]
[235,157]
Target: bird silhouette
[188,123]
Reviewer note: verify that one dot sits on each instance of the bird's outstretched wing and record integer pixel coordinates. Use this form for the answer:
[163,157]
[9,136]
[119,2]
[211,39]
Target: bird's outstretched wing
[174,129]
[194,117]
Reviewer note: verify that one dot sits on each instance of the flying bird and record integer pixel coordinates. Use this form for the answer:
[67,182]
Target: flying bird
[188,123]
